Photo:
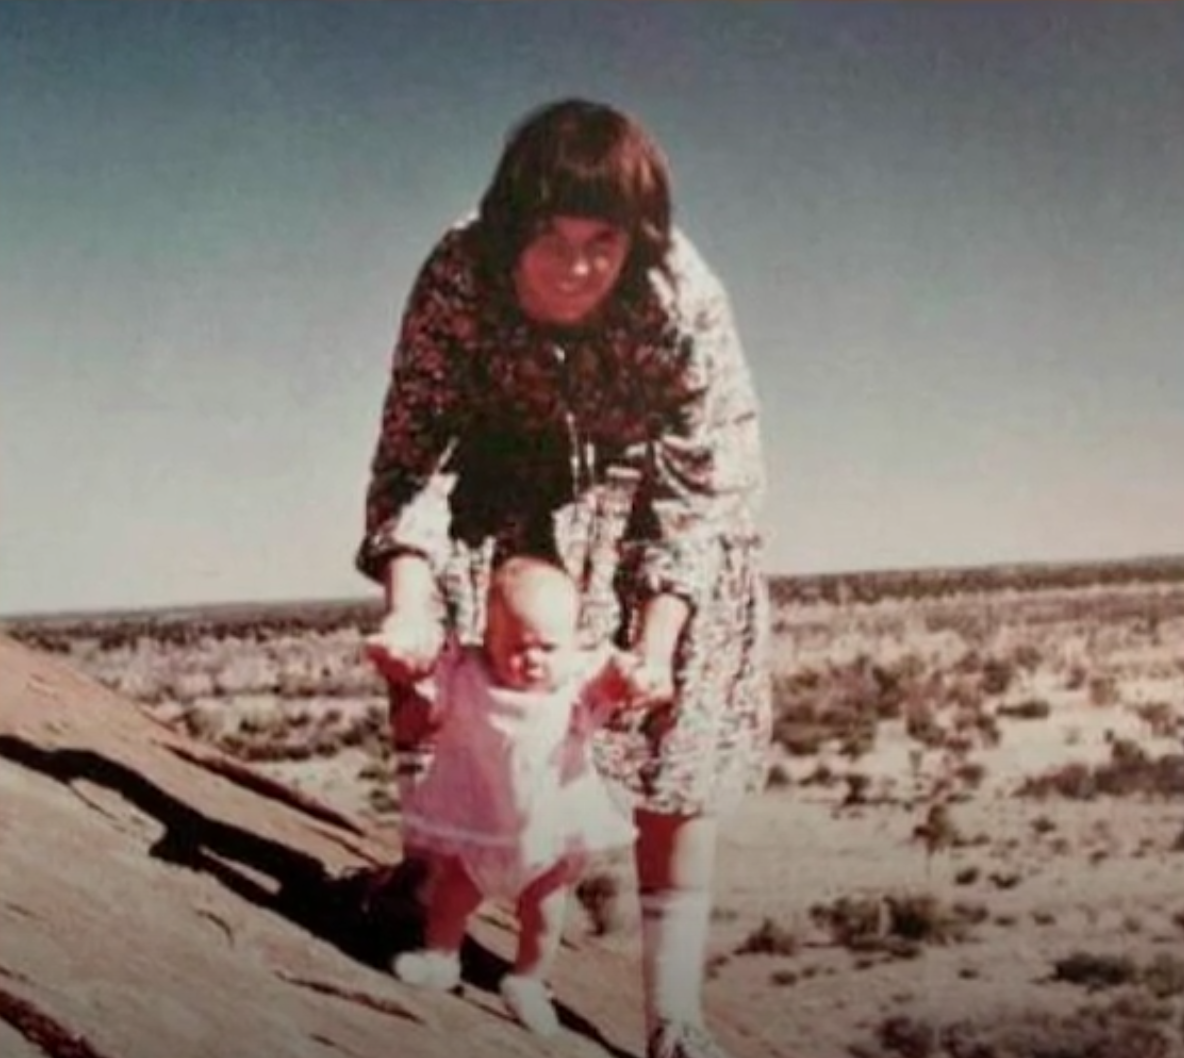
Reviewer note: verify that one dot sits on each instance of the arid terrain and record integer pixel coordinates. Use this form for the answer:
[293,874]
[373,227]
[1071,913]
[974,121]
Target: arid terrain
[972,840]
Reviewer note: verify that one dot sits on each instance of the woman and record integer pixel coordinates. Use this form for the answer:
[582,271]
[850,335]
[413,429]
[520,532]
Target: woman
[568,382]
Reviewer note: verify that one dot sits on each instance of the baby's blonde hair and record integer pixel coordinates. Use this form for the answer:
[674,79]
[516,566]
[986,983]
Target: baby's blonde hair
[523,581]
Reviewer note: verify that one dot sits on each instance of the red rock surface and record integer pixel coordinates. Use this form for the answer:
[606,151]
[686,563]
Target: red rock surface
[158,898]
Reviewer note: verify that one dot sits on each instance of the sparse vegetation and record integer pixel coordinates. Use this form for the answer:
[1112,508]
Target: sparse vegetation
[896,924]
[769,938]
[1028,709]
[1116,1031]
[1130,770]
[1095,971]
[917,713]
[599,893]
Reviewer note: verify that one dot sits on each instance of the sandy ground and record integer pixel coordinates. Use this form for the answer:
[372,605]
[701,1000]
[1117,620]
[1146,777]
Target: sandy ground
[1040,880]
[909,897]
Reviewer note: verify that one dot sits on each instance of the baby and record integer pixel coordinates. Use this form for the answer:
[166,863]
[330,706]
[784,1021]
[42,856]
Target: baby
[511,806]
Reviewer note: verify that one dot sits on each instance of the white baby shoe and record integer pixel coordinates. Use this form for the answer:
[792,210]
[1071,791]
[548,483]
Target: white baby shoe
[529,1001]
[438,970]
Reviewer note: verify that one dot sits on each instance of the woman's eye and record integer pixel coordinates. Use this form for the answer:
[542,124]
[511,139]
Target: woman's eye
[548,245]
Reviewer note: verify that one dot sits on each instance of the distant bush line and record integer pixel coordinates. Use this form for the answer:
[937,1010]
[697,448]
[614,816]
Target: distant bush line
[183,626]
[873,586]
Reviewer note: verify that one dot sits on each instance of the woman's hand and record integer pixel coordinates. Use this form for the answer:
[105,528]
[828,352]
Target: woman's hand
[407,643]
[651,672]
[405,647]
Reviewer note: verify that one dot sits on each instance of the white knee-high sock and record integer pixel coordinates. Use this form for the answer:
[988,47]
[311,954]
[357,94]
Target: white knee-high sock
[674,928]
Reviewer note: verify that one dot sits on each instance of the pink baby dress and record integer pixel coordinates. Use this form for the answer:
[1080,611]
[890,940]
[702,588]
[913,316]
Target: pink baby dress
[511,788]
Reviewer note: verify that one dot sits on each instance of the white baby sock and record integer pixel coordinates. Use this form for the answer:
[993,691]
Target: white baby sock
[674,927]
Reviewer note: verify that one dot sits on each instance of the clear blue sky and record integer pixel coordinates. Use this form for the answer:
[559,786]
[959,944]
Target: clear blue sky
[952,233]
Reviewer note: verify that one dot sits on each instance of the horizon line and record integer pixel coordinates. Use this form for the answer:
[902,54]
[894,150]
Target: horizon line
[1172,560]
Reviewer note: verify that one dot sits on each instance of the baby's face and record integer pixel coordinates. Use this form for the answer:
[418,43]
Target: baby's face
[531,642]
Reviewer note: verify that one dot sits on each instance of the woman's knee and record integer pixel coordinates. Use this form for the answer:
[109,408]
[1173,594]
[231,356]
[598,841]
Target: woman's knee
[675,851]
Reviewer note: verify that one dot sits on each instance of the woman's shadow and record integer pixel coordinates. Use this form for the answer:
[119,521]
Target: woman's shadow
[370,914]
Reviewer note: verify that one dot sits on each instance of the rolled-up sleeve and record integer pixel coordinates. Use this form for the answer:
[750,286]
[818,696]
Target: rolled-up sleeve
[705,477]
[407,499]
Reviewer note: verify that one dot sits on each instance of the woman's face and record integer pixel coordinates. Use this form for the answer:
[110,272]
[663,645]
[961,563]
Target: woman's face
[569,268]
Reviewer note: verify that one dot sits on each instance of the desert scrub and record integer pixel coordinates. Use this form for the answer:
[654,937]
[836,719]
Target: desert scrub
[378,770]
[1131,770]
[382,800]
[245,673]
[997,676]
[1103,692]
[203,722]
[304,732]
[1028,709]
[895,923]
[778,777]
[1116,1031]
[769,938]
[1163,976]
[907,1036]
[921,724]
[368,730]
[971,773]
[137,681]
[188,685]
[843,702]
[1160,717]
[1096,971]
[599,894]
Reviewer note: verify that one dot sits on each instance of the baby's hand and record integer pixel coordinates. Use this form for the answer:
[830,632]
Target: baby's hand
[645,684]
[624,690]
[405,647]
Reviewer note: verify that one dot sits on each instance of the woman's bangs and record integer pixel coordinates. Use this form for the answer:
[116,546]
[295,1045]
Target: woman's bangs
[590,194]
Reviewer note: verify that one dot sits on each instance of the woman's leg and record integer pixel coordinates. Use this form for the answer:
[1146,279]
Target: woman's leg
[675,857]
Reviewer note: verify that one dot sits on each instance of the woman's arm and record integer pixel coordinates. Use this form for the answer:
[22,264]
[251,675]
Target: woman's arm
[407,643]
[705,476]
[408,517]
[660,624]
[407,511]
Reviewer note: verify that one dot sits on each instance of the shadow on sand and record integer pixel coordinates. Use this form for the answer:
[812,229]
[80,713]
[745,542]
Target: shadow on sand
[370,914]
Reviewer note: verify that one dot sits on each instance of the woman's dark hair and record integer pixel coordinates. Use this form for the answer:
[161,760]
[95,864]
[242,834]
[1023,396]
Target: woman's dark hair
[585,159]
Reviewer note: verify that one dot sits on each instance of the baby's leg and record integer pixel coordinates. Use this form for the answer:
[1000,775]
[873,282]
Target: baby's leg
[542,909]
[412,740]
[454,897]
[412,735]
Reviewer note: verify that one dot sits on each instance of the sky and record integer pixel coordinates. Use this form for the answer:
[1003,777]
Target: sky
[951,234]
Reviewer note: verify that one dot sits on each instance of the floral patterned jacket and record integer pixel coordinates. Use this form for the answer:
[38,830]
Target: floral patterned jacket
[491,423]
